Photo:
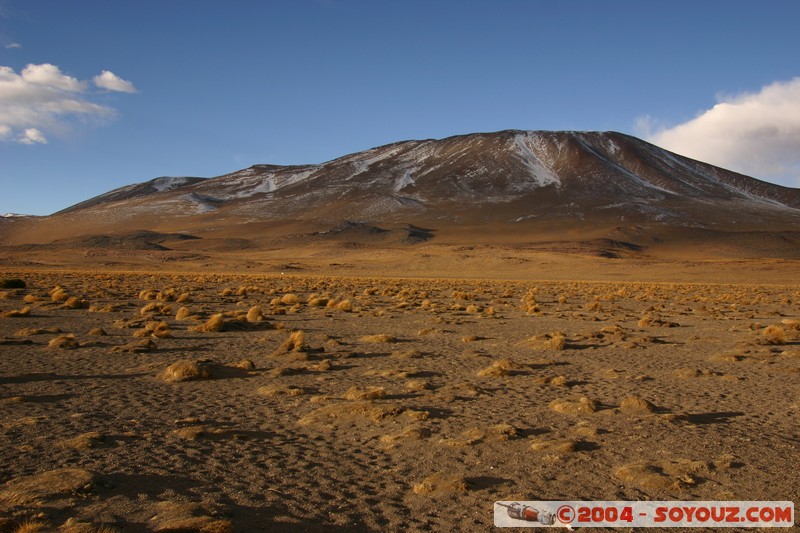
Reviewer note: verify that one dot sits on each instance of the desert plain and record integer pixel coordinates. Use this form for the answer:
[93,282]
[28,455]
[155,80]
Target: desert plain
[409,394]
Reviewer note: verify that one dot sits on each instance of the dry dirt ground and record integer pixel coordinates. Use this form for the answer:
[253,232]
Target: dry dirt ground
[190,402]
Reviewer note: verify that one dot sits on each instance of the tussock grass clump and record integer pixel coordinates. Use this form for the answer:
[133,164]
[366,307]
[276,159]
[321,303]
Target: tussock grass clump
[189,516]
[64,342]
[407,354]
[158,330]
[416,414]
[255,314]
[791,323]
[318,301]
[110,308]
[379,338]
[290,299]
[59,294]
[650,320]
[142,346]
[636,405]
[32,526]
[148,294]
[183,313]
[469,437]
[194,432]
[558,381]
[501,367]
[407,435]
[690,372]
[322,366]
[75,526]
[279,390]
[528,298]
[27,332]
[548,341]
[295,343]
[364,393]
[214,324]
[556,342]
[49,485]
[92,439]
[774,335]
[345,305]
[503,431]
[674,475]
[73,302]
[417,385]
[18,313]
[156,308]
[440,484]
[365,411]
[595,306]
[582,406]
[187,371]
[244,364]
[554,446]
[97,332]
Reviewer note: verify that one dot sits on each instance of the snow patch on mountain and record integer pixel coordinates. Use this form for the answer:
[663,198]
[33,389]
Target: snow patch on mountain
[405,181]
[273,182]
[202,203]
[541,174]
[375,155]
[168,182]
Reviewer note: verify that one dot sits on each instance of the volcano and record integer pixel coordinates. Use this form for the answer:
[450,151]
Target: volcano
[539,188]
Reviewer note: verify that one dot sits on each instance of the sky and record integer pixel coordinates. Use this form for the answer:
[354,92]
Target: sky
[95,95]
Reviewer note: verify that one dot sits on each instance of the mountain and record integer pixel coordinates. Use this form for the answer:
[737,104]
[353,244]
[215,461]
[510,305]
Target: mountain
[505,187]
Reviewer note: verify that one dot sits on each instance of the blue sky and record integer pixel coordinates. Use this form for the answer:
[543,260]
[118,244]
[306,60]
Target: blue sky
[96,94]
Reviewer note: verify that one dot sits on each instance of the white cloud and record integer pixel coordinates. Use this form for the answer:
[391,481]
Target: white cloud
[32,136]
[41,99]
[13,45]
[110,81]
[757,134]
[51,76]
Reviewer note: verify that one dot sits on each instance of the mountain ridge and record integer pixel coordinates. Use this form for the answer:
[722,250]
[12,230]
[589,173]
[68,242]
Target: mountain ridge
[604,191]
[530,160]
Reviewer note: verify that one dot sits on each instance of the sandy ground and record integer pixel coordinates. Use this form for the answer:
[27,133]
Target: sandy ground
[405,404]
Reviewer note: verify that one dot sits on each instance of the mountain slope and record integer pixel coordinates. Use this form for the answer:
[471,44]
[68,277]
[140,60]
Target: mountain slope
[509,185]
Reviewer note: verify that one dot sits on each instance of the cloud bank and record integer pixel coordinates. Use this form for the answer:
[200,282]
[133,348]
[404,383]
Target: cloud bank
[757,134]
[43,99]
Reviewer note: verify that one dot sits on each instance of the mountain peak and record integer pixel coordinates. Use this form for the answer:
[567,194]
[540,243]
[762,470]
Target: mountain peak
[510,182]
